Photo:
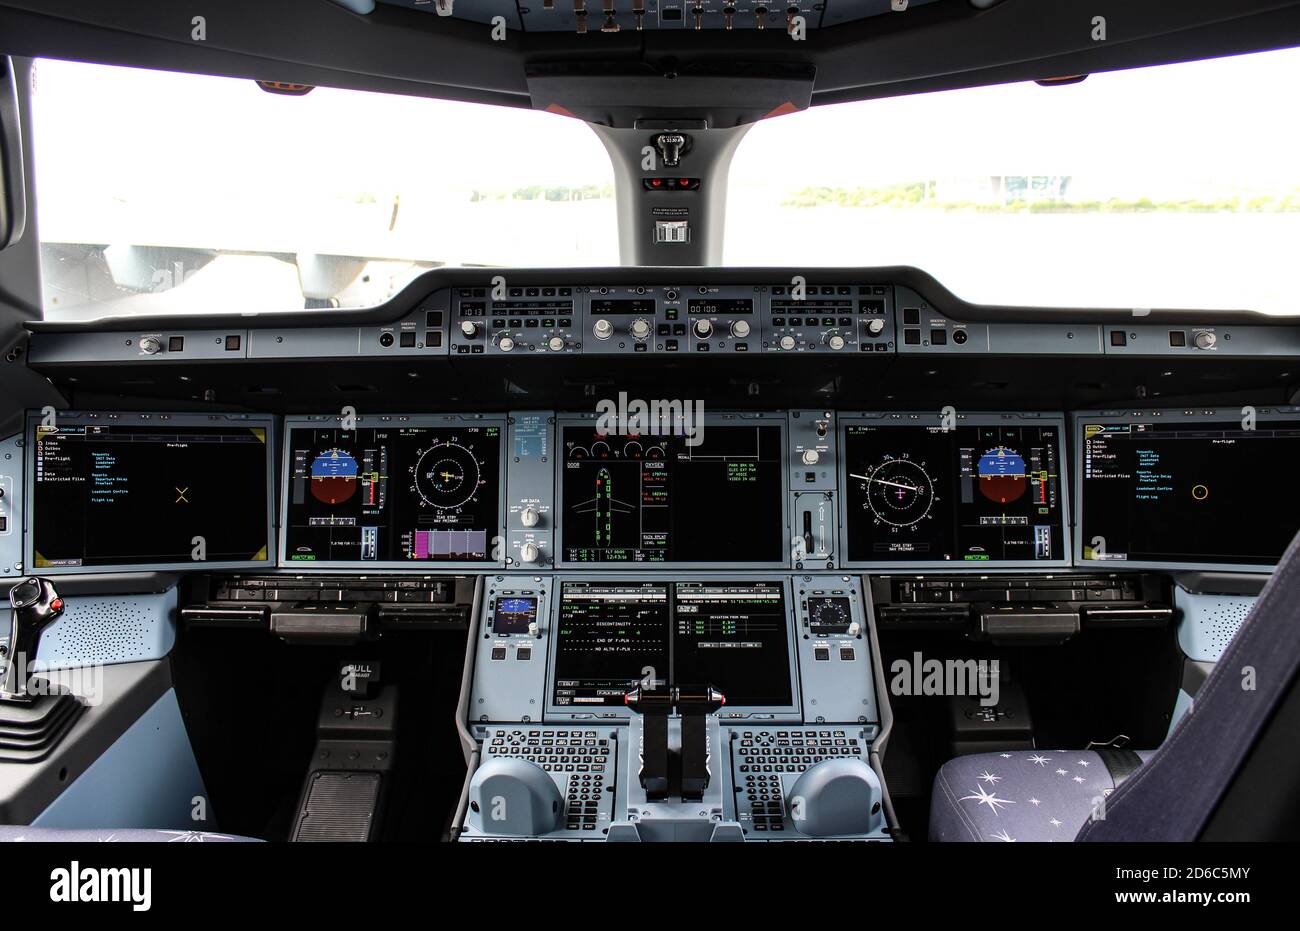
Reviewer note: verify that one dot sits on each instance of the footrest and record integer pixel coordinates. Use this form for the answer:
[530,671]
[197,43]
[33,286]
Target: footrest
[338,807]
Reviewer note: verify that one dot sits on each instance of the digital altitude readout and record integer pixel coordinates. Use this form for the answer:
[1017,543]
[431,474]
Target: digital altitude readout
[721,307]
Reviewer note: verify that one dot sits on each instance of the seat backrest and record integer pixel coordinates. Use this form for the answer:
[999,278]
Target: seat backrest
[1176,793]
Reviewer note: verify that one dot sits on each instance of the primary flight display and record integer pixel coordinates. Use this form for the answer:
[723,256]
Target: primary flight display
[392,494]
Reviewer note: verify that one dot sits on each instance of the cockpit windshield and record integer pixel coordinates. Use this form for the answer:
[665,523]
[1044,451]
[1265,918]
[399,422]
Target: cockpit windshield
[1174,186]
[165,193]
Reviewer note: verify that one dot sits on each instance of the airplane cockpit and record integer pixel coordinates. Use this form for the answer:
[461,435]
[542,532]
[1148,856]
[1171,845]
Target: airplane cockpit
[447,422]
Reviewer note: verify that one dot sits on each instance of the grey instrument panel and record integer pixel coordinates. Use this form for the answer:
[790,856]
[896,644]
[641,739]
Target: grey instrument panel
[515,313]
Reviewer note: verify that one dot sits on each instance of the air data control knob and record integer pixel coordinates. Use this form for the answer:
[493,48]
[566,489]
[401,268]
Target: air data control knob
[529,517]
[787,343]
[811,457]
[740,329]
[639,329]
[505,344]
[836,342]
[875,326]
[703,328]
[469,328]
[602,329]
[528,553]
[555,344]
[150,345]
[1205,340]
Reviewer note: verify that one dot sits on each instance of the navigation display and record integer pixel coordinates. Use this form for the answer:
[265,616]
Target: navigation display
[973,494]
[630,498]
[399,494]
[149,494]
[1188,492]
[613,636]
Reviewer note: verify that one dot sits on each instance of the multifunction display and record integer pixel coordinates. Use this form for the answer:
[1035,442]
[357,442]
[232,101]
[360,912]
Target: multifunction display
[631,498]
[970,494]
[111,494]
[1189,492]
[392,494]
[616,636]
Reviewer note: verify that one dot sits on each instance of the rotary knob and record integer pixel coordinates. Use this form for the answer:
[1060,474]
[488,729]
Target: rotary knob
[1203,340]
[469,328]
[875,326]
[529,552]
[740,329]
[602,329]
[811,457]
[555,344]
[836,342]
[150,345]
[787,343]
[703,328]
[505,344]
[639,329]
[529,517]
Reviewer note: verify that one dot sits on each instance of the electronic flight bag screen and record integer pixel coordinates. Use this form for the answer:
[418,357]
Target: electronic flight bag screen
[967,495]
[631,498]
[399,494]
[1188,492]
[149,494]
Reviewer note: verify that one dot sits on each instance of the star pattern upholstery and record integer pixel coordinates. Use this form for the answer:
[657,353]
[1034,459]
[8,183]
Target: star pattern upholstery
[10,834]
[1040,795]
